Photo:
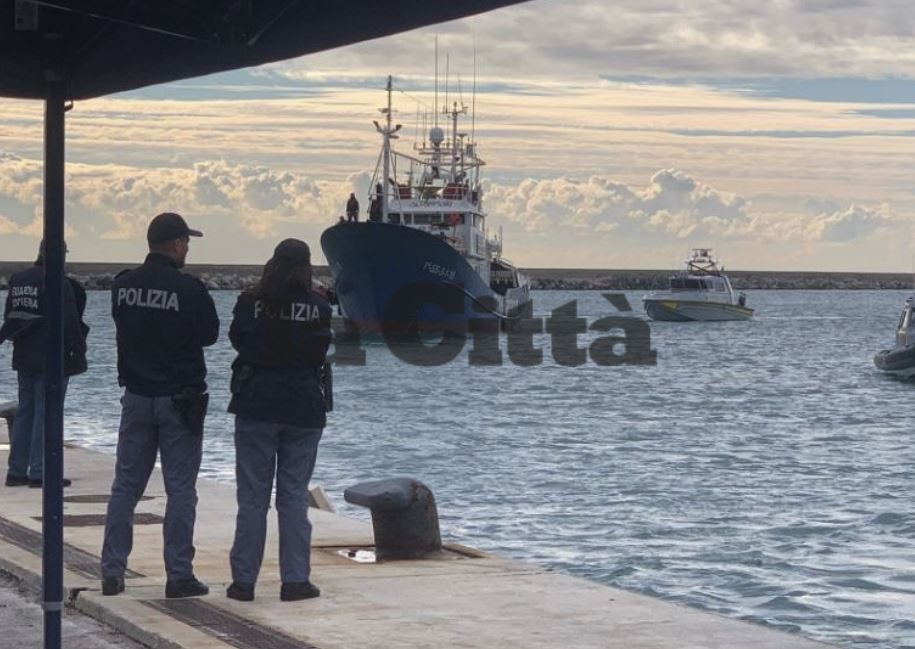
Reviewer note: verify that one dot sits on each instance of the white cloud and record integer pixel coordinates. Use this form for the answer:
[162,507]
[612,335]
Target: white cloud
[675,206]
[851,224]
[118,202]
[672,204]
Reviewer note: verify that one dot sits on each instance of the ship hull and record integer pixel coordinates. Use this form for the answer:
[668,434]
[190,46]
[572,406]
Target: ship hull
[899,362]
[399,281]
[672,310]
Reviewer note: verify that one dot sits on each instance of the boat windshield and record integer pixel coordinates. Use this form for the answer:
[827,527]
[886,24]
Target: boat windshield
[687,284]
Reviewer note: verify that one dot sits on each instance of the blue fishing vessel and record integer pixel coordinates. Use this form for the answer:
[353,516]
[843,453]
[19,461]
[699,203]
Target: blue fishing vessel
[424,261]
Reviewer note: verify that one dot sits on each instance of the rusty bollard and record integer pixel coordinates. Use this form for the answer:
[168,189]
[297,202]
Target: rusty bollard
[404,517]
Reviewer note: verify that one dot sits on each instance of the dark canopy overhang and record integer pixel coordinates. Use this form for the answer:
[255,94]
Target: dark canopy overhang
[105,46]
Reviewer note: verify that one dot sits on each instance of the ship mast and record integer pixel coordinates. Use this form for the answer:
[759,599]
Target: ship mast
[387,134]
[453,113]
[387,157]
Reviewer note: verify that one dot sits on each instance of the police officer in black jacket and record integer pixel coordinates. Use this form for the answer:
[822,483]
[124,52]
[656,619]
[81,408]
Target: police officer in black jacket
[24,324]
[281,330]
[164,319]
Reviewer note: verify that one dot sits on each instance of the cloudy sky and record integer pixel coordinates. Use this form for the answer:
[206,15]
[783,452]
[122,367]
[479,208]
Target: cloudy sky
[616,135]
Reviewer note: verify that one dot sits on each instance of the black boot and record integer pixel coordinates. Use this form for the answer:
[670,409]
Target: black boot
[295,590]
[190,587]
[240,591]
[39,483]
[16,481]
[112,585]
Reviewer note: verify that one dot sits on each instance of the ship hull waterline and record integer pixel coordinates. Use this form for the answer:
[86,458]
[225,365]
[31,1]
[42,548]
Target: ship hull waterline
[672,310]
[898,362]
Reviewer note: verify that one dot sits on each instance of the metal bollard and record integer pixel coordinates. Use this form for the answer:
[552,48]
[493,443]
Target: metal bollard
[404,517]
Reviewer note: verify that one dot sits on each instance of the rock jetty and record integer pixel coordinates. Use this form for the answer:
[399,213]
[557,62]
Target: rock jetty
[98,276]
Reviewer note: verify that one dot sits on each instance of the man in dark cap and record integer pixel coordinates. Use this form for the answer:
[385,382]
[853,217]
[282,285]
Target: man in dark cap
[24,324]
[164,319]
[281,331]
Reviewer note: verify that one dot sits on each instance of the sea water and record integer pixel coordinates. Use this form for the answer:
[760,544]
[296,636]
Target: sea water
[763,470]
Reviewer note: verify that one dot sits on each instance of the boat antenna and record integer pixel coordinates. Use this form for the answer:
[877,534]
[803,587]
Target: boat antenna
[473,100]
[447,73]
[435,110]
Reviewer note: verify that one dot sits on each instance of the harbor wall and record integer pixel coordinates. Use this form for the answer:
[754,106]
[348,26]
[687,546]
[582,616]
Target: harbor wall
[235,277]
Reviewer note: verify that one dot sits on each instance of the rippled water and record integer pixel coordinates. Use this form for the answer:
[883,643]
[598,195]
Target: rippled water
[763,470]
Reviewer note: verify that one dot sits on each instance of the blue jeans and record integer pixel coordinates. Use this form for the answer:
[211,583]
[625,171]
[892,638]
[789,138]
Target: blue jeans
[262,450]
[26,457]
[150,427]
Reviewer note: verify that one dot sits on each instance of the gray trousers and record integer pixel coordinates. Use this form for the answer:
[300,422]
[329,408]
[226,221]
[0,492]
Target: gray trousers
[149,426]
[289,452]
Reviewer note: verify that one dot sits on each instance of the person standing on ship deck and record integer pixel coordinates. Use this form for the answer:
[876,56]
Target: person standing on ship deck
[352,209]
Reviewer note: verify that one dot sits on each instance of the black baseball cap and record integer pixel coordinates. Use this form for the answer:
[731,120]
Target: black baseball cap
[169,226]
[292,251]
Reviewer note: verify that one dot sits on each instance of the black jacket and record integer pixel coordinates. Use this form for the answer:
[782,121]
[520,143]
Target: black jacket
[276,376]
[24,323]
[164,319]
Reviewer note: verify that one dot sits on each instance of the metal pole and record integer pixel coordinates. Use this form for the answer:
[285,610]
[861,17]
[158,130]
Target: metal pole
[52,500]
[387,158]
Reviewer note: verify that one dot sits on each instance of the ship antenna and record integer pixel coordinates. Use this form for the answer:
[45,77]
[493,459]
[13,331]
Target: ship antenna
[447,73]
[473,101]
[435,109]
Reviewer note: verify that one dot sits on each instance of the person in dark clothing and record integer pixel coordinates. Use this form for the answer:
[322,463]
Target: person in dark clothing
[24,324]
[281,331]
[164,319]
[352,209]
[375,205]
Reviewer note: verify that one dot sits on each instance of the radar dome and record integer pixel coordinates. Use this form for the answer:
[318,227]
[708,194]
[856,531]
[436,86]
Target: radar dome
[436,135]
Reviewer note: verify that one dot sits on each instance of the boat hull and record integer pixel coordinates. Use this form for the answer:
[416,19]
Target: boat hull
[898,362]
[673,310]
[396,281]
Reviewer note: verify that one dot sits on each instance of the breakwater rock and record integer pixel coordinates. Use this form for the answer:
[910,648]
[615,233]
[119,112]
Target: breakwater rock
[649,280]
[98,276]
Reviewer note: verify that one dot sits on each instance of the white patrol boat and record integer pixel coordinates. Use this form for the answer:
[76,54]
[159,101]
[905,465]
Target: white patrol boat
[700,292]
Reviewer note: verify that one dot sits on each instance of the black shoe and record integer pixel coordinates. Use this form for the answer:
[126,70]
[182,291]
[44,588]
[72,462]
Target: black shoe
[190,587]
[112,585]
[241,591]
[295,590]
[16,481]
[38,484]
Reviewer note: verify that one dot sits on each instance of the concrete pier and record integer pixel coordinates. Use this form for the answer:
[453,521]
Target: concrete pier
[461,598]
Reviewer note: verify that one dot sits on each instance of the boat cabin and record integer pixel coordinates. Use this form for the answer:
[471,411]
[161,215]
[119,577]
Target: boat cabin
[906,324]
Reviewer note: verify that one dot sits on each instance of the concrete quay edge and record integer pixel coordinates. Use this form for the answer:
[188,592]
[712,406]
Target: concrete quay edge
[468,600]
